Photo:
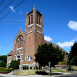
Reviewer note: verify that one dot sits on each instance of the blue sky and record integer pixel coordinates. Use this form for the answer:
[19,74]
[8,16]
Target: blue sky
[59,18]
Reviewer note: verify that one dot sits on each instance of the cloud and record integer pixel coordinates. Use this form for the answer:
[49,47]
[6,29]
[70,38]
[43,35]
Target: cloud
[12,8]
[66,44]
[48,38]
[72,25]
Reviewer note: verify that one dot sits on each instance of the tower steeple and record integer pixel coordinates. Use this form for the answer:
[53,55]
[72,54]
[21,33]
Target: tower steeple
[34,30]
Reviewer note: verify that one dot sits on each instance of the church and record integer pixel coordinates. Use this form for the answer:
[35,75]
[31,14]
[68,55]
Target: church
[26,43]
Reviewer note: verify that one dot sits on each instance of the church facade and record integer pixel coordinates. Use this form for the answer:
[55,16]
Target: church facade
[26,43]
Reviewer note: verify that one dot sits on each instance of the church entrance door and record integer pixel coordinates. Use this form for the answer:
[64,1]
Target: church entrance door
[19,61]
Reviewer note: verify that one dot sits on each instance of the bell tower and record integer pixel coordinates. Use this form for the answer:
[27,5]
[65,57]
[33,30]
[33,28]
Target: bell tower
[34,32]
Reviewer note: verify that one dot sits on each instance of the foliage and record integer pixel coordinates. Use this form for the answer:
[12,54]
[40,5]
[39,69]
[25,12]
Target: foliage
[5,69]
[41,73]
[2,64]
[73,55]
[63,62]
[14,64]
[3,60]
[48,53]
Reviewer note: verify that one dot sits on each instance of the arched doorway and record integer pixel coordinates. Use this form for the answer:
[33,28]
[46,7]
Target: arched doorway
[18,57]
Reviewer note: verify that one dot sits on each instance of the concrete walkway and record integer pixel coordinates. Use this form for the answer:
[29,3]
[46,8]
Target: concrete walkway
[63,75]
[9,75]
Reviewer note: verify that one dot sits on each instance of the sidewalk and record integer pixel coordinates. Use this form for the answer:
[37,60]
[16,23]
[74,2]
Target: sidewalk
[7,75]
[10,75]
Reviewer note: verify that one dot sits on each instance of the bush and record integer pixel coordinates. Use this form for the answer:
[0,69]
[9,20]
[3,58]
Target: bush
[2,64]
[41,73]
[14,64]
[5,69]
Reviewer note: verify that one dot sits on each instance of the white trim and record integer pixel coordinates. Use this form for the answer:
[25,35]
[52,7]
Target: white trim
[30,32]
[21,54]
[25,64]
[29,58]
[19,48]
[39,25]
[25,58]
[30,25]
[39,32]
[9,60]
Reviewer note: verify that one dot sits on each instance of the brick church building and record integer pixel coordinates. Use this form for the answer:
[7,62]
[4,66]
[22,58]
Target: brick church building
[26,43]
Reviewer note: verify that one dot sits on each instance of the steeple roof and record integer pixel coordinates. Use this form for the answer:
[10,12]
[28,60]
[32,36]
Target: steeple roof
[33,10]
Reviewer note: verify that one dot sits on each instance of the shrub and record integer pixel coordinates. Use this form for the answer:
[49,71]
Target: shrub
[14,64]
[41,73]
[2,64]
[5,69]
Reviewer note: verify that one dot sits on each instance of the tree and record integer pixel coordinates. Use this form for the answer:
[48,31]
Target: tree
[3,60]
[48,53]
[2,64]
[14,64]
[73,55]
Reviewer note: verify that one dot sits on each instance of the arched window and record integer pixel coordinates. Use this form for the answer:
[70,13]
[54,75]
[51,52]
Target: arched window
[29,58]
[31,19]
[18,56]
[37,19]
[20,41]
[29,41]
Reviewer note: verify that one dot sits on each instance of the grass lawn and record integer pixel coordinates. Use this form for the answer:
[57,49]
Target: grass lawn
[26,72]
[74,68]
[32,72]
[62,70]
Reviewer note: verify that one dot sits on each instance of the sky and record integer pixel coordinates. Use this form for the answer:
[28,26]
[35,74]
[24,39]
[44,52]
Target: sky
[59,19]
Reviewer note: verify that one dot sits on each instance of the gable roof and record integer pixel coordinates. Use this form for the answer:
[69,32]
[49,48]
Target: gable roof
[18,34]
[10,54]
[45,41]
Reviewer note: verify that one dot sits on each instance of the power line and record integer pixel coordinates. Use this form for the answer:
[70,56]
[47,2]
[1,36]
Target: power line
[11,10]
[6,6]
[2,2]
[19,4]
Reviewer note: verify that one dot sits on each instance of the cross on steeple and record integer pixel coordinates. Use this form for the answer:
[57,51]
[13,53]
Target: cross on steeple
[34,7]
[20,28]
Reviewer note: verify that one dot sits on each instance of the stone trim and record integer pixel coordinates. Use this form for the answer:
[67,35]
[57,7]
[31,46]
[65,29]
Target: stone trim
[30,25]
[30,32]
[39,32]
[39,25]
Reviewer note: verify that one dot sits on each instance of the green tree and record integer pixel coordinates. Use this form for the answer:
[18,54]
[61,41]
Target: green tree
[3,60]
[14,64]
[2,64]
[73,55]
[48,53]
